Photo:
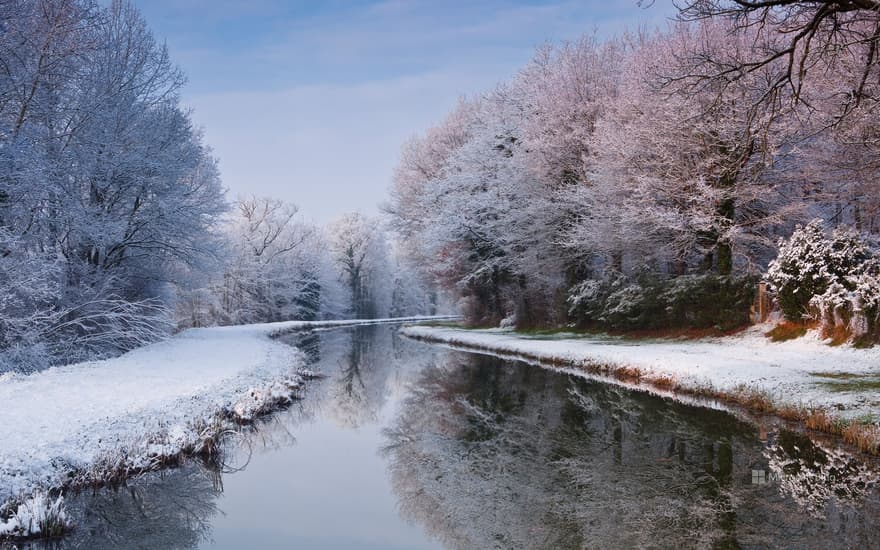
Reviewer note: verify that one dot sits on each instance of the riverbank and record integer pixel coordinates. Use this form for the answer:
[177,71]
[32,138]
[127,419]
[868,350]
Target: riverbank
[106,420]
[831,389]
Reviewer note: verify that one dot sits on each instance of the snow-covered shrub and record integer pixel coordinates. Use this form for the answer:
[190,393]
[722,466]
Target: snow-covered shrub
[37,517]
[631,307]
[810,261]
[851,306]
[587,299]
[44,322]
[833,278]
[652,302]
[704,301]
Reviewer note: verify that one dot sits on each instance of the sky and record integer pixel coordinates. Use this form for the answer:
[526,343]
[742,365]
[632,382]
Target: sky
[310,101]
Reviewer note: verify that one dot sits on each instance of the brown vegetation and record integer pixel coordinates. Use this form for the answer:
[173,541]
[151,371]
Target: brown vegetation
[787,330]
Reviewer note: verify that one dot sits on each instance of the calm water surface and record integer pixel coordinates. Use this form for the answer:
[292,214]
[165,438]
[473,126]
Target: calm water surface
[405,445]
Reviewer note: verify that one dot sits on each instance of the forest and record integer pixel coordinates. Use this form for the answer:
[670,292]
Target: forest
[650,180]
[637,220]
[644,181]
[115,229]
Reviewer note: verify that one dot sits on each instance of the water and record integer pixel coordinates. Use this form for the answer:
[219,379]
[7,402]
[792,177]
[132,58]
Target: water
[405,445]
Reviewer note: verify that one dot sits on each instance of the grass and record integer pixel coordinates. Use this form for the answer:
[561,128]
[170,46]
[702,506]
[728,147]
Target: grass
[848,382]
[787,330]
[634,334]
[852,386]
[39,517]
[841,375]
[443,324]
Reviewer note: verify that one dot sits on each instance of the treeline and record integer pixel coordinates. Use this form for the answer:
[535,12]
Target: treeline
[114,227]
[277,267]
[645,181]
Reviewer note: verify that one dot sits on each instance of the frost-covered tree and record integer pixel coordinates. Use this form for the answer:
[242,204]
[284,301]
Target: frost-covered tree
[274,273]
[822,54]
[679,178]
[360,252]
[105,181]
[276,268]
[605,172]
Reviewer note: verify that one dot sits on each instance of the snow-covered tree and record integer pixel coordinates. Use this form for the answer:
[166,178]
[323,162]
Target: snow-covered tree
[360,252]
[821,54]
[105,181]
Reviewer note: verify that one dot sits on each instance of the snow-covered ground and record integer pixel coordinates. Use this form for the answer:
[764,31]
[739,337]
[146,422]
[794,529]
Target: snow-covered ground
[146,403]
[802,372]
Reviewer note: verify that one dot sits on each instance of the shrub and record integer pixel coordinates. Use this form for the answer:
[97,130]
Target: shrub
[834,279]
[850,309]
[704,301]
[809,262]
[652,302]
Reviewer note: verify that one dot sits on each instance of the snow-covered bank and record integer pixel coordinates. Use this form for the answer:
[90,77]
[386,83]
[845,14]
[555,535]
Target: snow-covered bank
[131,411]
[803,373]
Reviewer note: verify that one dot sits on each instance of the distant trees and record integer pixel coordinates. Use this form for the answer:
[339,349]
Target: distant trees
[606,174]
[360,252]
[108,198]
[277,269]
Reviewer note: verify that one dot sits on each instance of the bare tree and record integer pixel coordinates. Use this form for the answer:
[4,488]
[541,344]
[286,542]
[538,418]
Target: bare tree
[808,44]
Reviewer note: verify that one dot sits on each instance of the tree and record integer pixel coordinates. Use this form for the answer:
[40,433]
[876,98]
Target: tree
[800,41]
[681,179]
[103,175]
[360,252]
[265,277]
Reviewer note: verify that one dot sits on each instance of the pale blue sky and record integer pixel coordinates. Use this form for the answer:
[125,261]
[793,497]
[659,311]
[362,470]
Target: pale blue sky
[310,101]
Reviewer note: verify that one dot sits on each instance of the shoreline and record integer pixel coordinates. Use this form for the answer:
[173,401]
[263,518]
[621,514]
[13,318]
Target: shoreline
[698,372]
[102,422]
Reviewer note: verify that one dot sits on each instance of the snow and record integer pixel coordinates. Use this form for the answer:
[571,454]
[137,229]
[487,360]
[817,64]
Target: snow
[151,402]
[33,515]
[797,372]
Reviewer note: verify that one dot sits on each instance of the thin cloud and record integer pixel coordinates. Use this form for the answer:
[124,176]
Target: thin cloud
[310,102]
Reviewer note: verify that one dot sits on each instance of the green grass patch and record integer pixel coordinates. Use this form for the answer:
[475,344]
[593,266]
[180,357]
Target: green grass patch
[853,386]
[842,375]
[442,324]
[848,382]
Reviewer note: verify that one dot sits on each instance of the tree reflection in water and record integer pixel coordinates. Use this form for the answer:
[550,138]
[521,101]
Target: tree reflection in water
[486,453]
[490,454]
[172,509]
[359,364]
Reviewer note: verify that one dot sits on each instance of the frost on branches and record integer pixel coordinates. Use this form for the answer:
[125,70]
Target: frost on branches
[834,278]
[680,155]
[108,197]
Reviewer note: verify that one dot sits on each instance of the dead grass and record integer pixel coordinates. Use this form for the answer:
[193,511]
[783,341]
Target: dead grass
[864,436]
[837,335]
[665,382]
[787,330]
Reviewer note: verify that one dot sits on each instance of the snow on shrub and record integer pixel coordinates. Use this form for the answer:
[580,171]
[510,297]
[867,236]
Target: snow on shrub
[833,278]
[259,401]
[653,302]
[37,517]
